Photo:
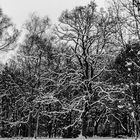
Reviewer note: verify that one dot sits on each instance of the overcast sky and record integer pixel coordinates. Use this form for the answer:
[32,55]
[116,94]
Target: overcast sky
[19,10]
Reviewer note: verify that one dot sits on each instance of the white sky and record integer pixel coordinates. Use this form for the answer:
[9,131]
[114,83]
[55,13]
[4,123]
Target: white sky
[19,10]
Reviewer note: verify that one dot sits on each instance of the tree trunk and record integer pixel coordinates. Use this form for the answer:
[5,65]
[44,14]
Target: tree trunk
[135,125]
[37,125]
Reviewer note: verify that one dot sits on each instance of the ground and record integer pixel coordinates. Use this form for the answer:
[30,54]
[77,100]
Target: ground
[96,138]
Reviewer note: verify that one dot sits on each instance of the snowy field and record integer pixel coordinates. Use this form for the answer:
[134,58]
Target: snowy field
[96,138]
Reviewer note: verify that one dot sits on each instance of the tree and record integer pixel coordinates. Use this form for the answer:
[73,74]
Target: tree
[80,29]
[125,72]
[130,12]
[36,55]
[137,4]
[8,33]
[88,34]
[74,81]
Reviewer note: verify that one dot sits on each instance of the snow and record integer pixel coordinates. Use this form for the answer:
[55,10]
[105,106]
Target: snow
[138,84]
[130,108]
[134,101]
[120,106]
[132,114]
[138,53]
[80,138]
[128,64]
[126,86]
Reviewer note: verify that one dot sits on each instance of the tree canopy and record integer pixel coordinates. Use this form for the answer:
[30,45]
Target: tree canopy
[79,77]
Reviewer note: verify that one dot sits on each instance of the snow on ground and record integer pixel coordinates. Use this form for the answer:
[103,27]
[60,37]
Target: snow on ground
[81,138]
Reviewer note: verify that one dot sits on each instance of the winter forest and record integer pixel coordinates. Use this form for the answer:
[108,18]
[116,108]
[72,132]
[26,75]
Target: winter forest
[79,77]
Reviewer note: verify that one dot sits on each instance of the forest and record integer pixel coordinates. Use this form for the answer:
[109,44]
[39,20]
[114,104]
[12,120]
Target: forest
[78,77]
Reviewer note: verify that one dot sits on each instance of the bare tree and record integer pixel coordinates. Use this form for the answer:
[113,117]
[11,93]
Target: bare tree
[130,12]
[8,33]
[89,35]
[35,56]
